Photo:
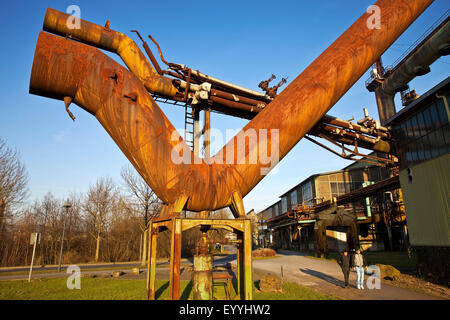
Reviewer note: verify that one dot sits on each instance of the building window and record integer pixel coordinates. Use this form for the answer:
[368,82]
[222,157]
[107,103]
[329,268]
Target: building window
[337,189]
[283,205]
[424,135]
[307,193]
[294,198]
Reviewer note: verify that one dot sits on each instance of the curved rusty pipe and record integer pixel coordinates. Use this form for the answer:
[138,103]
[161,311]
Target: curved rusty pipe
[105,38]
[117,98]
[142,131]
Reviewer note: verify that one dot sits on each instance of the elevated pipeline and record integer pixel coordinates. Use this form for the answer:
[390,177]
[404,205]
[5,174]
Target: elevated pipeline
[141,130]
[107,39]
[417,64]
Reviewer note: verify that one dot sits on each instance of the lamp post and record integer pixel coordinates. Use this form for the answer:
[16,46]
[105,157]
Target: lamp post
[66,205]
[263,232]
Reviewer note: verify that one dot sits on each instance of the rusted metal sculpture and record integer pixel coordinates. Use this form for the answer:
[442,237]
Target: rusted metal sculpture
[120,100]
[202,186]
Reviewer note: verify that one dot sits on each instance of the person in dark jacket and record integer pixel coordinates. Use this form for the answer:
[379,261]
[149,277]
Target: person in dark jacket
[344,262]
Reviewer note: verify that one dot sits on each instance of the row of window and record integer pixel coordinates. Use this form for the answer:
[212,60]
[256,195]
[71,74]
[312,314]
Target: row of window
[423,136]
[336,189]
[427,147]
[422,123]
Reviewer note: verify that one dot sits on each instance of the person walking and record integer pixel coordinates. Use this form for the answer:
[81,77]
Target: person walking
[345,264]
[360,264]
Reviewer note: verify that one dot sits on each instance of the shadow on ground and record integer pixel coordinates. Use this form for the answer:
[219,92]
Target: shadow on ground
[323,276]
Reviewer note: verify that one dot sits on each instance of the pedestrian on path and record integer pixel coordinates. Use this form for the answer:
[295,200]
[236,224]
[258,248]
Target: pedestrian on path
[344,262]
[359,262]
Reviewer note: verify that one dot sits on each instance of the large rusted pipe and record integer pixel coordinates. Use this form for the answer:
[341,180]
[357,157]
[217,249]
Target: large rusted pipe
[135,122]
[105,38]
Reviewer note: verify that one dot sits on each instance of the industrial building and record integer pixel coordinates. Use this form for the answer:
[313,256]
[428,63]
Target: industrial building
[379,234]
[360,205]
[404,204]
[422,135]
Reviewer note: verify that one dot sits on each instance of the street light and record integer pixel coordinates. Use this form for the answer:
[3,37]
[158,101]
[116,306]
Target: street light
[67,206]
[263,231]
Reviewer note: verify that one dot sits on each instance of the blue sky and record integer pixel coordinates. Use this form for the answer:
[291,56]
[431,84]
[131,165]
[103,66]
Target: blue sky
[242,42]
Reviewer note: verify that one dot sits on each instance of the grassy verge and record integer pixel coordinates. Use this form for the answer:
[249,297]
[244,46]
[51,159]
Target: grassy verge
[264,258]
[63,270]
[118,289]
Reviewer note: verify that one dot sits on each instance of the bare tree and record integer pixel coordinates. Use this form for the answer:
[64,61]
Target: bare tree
[48,218]
[13,182]
[99,202]
[143,200]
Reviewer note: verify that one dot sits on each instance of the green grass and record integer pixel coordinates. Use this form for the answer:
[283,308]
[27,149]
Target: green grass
[263,258]
[118,289]
[63,269]
[293,291]
[397,259]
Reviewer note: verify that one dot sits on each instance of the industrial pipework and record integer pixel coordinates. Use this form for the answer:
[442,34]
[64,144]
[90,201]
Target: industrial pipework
[118,98]
[416,63]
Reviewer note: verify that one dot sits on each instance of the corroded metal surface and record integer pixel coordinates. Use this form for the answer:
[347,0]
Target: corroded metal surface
[113,41]
[125,109]
[202,277]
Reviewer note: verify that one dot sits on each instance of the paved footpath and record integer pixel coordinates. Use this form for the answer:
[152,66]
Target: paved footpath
[326,277]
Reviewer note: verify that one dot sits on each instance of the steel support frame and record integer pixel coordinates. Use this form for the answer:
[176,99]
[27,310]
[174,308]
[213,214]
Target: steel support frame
[176,225]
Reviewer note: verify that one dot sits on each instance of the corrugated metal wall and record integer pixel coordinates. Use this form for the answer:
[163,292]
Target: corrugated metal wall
[427,202]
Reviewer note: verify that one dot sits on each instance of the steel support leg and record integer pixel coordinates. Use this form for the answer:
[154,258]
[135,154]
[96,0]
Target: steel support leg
[240,265]
[151,269]
[175,260]
[247,248]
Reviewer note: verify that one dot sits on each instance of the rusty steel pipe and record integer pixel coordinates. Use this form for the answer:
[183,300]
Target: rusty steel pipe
[141,130]
[149,53]
[238,98]
[341,132]
[235,105]
[353,126]
[105,38]
[381,145]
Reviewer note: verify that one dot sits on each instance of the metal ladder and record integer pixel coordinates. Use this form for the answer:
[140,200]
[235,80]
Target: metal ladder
[189,124]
